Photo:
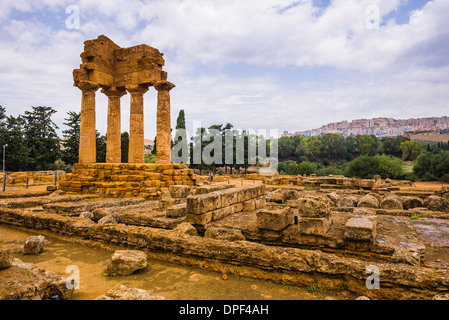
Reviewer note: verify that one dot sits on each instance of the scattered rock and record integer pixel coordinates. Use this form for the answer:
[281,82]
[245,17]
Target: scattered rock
[180,191]
[108,219]
[363,298]
[441,297]
[121,292]
[364,212]
[125,262]
[87,215]
[411,257]
[360,229]
[347,202]
[34,245]
[5,259]
[220,233]
[274,218]
[411,202]
[436,203]
[314,207]
[391,202]
[368,201]
[186,228]
[334,197]
[23,281]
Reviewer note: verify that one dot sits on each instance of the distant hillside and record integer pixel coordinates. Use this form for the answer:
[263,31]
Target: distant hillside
[430,137]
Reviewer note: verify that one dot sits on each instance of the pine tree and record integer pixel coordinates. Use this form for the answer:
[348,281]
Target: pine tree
[125,146]
[71,138]
[41,137]
[17,153]
[101,147]
[180,144]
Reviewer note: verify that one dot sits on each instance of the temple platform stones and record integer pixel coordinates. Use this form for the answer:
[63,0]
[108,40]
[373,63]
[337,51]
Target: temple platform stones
[126,180]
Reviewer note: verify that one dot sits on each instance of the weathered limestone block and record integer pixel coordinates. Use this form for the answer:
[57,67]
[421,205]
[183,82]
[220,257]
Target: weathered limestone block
[410,202]
[228,197]
[23,281]
[334,197]
[204,203]
[441,297]
[436,203]
[125,262]
[391,202]
[211,188]
[368,201]
[121,292]
[87,215]
[176,211]
[249,205]
[364,212]
[347,201]
[34,245]
[313,208]
[411,257]
[314,226]
[108,219]
[199,219]
[186,228]
[226,211]
[223,233]
[274,218]
[5,259]
[277,196]
[360,229]
[180,191]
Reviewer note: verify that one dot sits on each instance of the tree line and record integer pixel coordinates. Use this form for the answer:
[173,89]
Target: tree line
[32,143]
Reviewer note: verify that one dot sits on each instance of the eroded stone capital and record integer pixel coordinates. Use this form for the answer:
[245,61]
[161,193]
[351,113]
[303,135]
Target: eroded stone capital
[114,92]
[137,89]
[164,86]
[87,86]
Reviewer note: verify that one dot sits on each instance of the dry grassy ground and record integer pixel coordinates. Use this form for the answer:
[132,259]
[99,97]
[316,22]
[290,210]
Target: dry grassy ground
[426,185]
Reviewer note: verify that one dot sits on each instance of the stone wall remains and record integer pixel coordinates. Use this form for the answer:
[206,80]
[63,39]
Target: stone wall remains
[125,180]
[213,206]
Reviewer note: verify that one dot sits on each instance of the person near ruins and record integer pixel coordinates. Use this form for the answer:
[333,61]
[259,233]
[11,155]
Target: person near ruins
[211,176]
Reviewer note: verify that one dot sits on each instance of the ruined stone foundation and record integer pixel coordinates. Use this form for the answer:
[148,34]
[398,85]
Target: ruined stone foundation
[125,179]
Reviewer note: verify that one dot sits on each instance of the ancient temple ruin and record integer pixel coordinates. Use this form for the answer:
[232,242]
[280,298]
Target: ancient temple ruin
[118,71]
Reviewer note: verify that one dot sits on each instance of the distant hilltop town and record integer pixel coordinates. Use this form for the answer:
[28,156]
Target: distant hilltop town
[380,127]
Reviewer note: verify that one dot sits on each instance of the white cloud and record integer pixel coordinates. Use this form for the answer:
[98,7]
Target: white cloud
[397,70]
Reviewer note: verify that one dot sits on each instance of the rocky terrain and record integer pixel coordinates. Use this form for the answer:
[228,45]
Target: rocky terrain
[337,239]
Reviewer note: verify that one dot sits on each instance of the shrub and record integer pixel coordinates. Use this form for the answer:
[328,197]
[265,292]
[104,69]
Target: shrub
[367,167]
[307,168]
[432,166]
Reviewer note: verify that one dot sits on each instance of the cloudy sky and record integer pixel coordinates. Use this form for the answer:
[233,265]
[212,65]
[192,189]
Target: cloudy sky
[258,64]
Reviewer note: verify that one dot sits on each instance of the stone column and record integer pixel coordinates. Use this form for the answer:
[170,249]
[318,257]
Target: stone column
[136,124]
[113,143]
[163,130]
[87,147]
